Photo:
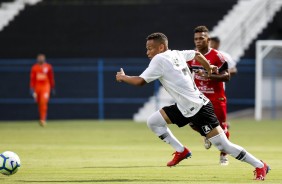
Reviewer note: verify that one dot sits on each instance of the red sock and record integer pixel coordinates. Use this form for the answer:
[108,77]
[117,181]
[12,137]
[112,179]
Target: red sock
[43,111]
[224,126]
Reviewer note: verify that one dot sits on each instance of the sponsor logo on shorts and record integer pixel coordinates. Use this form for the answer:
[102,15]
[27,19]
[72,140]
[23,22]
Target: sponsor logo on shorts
[206,129]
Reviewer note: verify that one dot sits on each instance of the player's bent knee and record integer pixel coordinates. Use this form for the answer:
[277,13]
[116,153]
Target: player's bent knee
[219,146]
[157,124]
[223,144]
[151,121]
[155,120]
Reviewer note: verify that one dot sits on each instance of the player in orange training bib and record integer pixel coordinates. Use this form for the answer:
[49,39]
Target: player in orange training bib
[41,84]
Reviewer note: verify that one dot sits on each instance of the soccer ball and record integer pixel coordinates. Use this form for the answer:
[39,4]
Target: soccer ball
[9,163]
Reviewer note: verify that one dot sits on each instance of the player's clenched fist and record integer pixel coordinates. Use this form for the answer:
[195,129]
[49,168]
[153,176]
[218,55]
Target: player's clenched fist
[213,70]
[119,75]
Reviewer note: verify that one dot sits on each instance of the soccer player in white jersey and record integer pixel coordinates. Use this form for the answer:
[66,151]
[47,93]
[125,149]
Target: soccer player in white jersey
[170,68]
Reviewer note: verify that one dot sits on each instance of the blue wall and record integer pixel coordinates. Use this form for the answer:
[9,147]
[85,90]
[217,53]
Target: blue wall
[86,89]
[240,90]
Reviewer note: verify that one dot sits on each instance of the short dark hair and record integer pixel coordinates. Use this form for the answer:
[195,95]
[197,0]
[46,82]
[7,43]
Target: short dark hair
[201,29]
[215,39]
[159,37]
[41,54]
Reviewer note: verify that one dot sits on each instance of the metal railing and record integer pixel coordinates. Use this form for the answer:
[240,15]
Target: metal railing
[243,23]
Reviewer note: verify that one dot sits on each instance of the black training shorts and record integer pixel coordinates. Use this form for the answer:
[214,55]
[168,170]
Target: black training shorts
[203,121]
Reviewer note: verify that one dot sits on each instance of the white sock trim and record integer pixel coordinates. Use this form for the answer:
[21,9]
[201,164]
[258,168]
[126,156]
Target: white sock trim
[223,144]
[158,125]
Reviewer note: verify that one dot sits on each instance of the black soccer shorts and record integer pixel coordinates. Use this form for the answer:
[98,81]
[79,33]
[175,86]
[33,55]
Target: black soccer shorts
[203,121]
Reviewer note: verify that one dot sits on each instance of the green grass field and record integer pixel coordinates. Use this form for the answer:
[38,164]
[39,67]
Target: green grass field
[127,152]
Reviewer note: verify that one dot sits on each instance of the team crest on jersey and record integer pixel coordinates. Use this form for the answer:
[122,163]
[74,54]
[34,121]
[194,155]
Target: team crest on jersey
[176,62]
[178,65]
[206,129]
[45,70]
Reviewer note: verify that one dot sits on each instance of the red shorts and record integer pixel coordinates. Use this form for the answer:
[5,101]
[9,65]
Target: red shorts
[42,93]
[220,111]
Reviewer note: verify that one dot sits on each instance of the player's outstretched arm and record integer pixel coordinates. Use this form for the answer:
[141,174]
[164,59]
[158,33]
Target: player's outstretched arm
[133,80]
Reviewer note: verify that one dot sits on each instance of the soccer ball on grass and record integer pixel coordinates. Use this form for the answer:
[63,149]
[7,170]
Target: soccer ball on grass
[9,163]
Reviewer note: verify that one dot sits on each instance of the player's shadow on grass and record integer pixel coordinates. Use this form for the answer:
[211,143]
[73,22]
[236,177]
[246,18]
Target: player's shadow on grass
[139,166]
[80,181]
[121,167]
[100,181]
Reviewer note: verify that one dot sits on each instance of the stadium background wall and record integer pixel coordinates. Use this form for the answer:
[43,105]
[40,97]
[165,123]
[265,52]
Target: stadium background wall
[80,29]
[86,89]
[74,34]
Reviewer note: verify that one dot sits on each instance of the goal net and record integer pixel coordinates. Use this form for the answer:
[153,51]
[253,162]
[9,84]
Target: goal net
[268,102]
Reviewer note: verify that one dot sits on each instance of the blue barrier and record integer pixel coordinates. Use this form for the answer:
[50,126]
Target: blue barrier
[99,73]
[102,90]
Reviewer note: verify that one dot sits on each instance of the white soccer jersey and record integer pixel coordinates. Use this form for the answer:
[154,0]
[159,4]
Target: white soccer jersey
[172,71]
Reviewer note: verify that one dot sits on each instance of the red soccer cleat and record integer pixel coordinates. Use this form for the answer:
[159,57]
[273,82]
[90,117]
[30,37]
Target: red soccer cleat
[260,173]
[179,156]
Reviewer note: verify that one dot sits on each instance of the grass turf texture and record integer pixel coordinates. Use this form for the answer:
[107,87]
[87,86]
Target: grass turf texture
[127,152]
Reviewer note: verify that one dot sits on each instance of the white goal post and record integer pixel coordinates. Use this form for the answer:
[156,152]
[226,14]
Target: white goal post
[268,77]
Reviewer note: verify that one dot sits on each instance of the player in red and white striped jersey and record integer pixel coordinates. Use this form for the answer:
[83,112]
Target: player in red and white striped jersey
[212,86]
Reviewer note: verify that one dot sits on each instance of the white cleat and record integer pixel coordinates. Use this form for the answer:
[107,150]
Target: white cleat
[223,160]
[207,143]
